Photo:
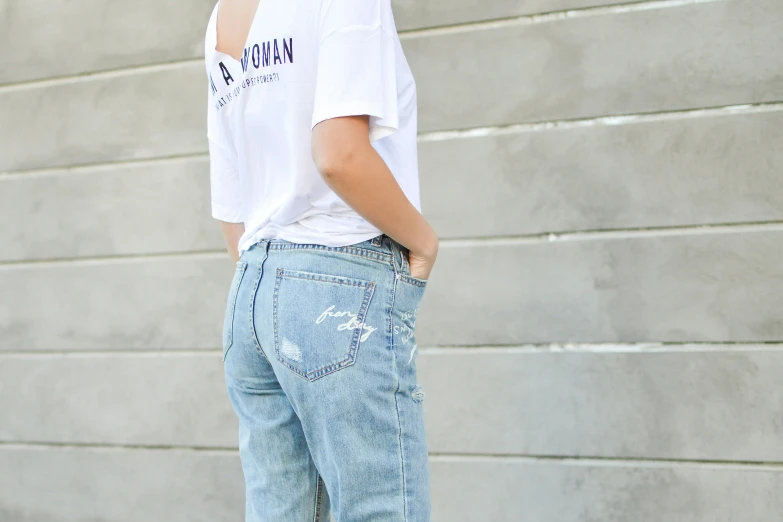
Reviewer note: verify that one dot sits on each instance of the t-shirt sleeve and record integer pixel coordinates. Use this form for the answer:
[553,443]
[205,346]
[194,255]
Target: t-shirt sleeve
[357,65]
[225,188]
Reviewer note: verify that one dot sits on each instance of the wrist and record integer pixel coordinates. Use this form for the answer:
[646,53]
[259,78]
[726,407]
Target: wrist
[426,244]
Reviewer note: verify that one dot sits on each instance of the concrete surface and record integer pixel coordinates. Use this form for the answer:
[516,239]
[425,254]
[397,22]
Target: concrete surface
[600,339]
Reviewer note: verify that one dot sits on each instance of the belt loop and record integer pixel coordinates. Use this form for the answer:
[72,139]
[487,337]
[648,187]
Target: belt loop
[377,240]
[398,256]
[263,247]
[404,259]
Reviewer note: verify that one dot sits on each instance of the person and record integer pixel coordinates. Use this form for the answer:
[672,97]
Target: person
[314,178]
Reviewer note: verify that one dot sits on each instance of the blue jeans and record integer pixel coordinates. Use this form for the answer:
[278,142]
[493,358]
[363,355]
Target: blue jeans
[320,363]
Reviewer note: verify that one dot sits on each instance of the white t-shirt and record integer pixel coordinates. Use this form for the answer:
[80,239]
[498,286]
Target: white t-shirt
[305,61]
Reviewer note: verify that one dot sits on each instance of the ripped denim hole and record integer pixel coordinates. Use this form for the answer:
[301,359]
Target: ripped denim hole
[417,393]
[291,350]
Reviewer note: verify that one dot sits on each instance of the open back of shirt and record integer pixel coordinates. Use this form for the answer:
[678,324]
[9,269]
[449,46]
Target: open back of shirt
[305,61]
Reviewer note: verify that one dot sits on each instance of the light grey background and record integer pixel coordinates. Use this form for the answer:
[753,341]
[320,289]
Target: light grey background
[602,332]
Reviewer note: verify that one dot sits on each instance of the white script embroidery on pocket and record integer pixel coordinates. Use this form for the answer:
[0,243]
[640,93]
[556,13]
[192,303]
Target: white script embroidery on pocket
[407,330]
[351,324]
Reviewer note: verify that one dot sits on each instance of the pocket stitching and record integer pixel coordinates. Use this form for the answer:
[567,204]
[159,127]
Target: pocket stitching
[239,274]
[323,278]
[413,280]
[350,358]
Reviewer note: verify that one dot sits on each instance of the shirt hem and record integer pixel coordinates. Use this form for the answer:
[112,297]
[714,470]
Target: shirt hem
[320,238]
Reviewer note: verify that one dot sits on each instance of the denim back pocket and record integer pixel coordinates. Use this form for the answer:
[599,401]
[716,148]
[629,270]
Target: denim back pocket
[407,300]
[231,304]
[412,289]
[319,321]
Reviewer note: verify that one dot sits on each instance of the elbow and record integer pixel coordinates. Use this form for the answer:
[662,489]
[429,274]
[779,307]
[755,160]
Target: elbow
[334,163]
[340,146]
[334,159]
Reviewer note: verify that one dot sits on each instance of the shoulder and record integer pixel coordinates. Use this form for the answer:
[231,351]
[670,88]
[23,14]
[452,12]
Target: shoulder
[339,15]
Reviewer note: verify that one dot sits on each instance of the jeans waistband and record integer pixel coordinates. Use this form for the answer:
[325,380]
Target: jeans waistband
[380,248]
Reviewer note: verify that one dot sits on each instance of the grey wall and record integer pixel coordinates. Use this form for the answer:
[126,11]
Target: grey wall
[602,330]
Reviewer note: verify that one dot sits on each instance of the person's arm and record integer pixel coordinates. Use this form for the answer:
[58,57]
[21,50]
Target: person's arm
[224,187]
[231,234]
[355,171]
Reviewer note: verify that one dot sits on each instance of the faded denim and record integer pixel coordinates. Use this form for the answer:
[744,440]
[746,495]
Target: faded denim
[320,352]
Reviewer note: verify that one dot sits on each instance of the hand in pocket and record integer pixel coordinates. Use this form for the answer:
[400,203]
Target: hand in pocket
[420,266]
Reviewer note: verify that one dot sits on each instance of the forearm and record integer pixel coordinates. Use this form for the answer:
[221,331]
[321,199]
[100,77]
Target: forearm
[367,185]
[231,234]
[363,180]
